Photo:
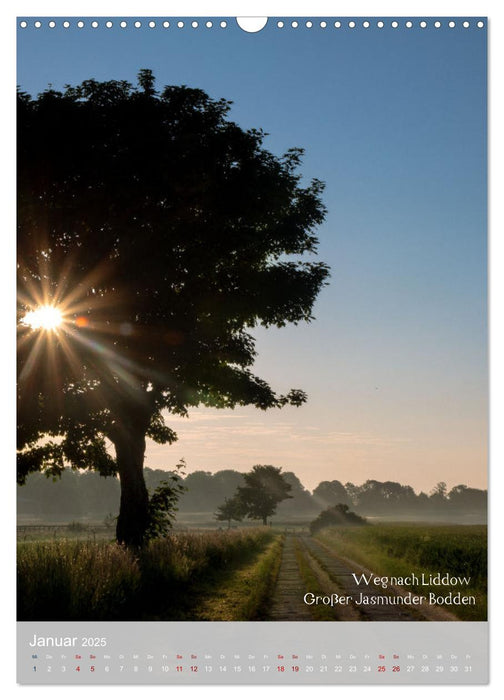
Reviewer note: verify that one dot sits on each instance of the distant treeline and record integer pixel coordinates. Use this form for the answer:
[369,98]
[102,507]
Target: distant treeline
[88,495]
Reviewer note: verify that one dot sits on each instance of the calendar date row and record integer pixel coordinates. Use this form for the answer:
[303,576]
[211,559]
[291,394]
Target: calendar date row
[264,668]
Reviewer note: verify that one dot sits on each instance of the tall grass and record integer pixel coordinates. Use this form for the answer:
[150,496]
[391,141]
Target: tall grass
[67,580]
[244,593]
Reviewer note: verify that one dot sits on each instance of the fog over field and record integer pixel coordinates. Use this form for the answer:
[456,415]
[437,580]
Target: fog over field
[87,497]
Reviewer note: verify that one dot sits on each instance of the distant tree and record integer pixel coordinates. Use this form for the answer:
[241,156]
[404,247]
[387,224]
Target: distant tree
[225,482]
[339,514]
[352,491]
[154,477]
[205,491]
[301,502]
[439,495]
[163,232]
[231,509]
[265,487]
[464,498]
[331,493]
[422,501]
[98,494]
[198,494]
[53,499]
[384,497]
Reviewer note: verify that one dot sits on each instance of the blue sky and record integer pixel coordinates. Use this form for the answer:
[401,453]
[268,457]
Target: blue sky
[393,120]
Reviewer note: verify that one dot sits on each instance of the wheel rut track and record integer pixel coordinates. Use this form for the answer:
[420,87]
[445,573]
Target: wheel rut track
[287,601]
[340,572]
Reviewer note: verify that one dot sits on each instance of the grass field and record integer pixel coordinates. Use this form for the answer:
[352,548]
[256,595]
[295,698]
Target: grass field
[228,574]
[399,549]
[178,577]
[69,531]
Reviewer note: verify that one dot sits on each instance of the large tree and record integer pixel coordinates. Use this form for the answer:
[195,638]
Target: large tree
[163,232]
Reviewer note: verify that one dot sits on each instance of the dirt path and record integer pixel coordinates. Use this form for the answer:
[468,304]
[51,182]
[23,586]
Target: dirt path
[339,568]
[307,566]
[339,571]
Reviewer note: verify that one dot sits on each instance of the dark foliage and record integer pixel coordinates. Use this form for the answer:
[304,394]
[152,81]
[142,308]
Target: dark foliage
[164,232]
[231,509]
[331,492]
[163,504]
[336,515]
[265,487]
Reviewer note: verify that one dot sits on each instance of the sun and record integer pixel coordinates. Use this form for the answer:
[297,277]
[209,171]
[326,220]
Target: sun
[47,318]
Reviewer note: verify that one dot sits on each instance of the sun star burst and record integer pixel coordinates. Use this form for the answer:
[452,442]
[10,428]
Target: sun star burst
[47,318]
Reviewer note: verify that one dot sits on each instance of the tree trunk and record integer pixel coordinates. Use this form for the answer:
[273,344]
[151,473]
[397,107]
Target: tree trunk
[133,517]
[265,519]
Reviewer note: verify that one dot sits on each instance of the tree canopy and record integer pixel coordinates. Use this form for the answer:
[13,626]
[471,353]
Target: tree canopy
[85,494]
[164,233]
[231,509]
[265,487]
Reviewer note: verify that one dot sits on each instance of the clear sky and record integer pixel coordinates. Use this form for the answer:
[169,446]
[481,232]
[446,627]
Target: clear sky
[393,120]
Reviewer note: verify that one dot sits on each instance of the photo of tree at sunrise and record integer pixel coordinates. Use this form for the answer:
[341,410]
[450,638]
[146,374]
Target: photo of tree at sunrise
[252,323]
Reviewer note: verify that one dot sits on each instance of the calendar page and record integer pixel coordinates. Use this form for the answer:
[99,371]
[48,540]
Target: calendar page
[252,350]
